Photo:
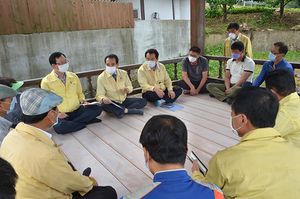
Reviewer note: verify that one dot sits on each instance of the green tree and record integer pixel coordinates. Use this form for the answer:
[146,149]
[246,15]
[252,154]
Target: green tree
[281,4]
[224,5]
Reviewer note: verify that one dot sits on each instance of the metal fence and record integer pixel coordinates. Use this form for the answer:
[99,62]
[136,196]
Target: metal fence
[36,16]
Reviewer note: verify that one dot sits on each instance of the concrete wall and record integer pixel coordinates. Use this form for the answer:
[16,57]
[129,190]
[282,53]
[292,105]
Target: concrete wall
[26,56]
[263,40]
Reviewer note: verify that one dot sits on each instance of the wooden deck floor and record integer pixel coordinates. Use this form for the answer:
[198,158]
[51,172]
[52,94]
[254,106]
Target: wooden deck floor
[112,149]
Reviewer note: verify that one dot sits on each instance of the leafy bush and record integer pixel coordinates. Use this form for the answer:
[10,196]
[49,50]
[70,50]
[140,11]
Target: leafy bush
[265,17]
[248,10]
[215,13]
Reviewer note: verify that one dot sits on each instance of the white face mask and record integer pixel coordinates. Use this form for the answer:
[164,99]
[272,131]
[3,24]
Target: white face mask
[232,129]
[151,63]
[111,69]
[192,59]
[146,163]
[63,68]
[232,36]
[54,123]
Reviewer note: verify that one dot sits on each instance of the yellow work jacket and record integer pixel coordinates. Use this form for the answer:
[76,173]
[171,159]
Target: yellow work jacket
[148,79]
[261,165]
[288,118]
[108,87]
[71,92]
[247,47]
[41,166]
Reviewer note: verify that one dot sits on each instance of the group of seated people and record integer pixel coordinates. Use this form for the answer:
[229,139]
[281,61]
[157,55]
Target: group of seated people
[264,164]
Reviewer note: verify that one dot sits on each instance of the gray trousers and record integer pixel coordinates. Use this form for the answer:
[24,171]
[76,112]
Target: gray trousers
[218,90]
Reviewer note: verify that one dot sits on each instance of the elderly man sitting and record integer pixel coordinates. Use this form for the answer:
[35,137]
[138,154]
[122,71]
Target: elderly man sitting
[6,95]
[43,170]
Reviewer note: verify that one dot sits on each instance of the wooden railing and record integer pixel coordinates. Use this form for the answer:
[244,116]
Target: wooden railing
[128,68]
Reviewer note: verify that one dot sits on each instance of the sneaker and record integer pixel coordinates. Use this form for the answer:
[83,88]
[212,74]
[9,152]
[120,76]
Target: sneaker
[229,101]
[87,172]
[95,120]
[159,102]
[211,95]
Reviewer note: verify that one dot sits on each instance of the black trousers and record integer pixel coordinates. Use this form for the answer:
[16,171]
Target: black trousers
[153,97]
[98,192]
[77,119]
[184,85]
[129,103]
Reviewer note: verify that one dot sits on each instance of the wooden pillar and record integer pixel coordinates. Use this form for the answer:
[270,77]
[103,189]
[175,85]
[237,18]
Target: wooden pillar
[142,4]
[198,24]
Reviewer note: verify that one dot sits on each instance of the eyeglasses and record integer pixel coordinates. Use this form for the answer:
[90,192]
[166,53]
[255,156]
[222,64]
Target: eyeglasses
[59,64]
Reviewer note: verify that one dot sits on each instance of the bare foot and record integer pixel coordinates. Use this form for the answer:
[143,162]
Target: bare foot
[186,92]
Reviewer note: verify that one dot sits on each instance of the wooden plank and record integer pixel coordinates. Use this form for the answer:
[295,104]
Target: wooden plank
[198,103]
[124,147]
[82,158]
[203,144]
[16,17]
[118,166]
[10,14]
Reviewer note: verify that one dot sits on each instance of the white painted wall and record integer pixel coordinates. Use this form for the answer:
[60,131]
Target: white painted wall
[164,8]
[185,9]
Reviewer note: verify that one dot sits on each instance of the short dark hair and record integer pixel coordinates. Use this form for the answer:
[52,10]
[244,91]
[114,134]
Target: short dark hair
[283,48]
[259,104]
[237,46]
[152,51]
[32,119]
[54,56]
[8,180]
[233,25]
[112,56]
[7,81]
[165,138]
[281,81]
[195,49]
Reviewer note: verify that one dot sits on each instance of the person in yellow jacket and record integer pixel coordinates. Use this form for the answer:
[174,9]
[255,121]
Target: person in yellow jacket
[112,88]
[42,169]
[234,36]
[262,164]
[282,83]
[72,116]
[155,81]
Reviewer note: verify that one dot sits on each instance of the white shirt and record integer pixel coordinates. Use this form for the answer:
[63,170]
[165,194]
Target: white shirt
[237,69]
[48,134]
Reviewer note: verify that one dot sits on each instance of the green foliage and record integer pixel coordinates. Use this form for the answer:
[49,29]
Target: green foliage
[208,31]
[248,10]
[170,70]
[214,49]
[223,5]
[265,17]
[215,13]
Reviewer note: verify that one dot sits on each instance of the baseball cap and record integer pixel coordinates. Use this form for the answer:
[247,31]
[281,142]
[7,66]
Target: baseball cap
[36,101]
[6,91]
[17,85]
